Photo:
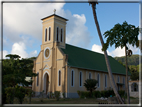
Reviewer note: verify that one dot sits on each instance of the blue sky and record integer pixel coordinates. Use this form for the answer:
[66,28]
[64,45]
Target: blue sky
[23,26]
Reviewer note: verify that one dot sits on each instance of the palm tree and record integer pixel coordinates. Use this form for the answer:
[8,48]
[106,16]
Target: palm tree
[121,36]
[105,54]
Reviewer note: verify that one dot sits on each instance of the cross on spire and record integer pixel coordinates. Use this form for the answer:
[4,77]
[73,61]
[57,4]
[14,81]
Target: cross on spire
[54,11]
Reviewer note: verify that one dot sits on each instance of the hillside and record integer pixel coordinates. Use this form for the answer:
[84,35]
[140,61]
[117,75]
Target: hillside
[133,60]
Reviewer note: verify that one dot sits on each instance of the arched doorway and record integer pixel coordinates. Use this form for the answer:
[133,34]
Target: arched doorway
[134,87]
[46,83]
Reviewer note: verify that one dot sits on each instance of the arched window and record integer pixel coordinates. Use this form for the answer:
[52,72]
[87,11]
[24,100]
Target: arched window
[105,80]
[80,79]
[45,34]
[59,79]
[57,34]
[98,79]
[61,35]
[134,87]
[123,82]
[118,79]
[49,35]
[37,79]
[72,78]
[90,75]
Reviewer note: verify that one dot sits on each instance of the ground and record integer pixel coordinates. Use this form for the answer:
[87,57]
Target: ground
[71,101]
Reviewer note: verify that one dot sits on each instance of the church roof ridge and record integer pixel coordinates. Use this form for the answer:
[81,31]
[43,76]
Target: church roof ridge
[54,15]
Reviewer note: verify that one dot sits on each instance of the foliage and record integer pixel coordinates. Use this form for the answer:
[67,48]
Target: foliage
[57,95]
[41,99]
[15,71]
[29,93]
[133,60]
[90,85]
[83,94]
[121,35]
[10,94]
[63,95]
[79,93]
[96,94]
[134,71]
[134,76]
[121,93]
[20,93]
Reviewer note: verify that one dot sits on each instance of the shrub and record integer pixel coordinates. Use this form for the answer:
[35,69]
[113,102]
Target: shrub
[41,99]
[10,92]
[121,93]
[29,93]
[90,85]
[20,93]
[57,95]
[79,93]
[96,94]
[63,95]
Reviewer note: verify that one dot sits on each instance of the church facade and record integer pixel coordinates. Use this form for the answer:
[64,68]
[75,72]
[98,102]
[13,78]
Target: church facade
[63,67]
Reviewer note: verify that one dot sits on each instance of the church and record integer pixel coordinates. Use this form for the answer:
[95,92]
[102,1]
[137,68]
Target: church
[63,67]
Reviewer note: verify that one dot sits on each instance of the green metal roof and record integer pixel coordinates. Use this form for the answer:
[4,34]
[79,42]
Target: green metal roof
[86,59]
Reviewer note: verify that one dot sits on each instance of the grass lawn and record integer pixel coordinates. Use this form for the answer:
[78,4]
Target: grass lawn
[71,101]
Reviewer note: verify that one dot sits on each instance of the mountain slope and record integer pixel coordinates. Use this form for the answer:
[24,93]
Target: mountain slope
[132,60]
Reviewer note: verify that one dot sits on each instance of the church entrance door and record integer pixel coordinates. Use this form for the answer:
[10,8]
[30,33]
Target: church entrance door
[46,83]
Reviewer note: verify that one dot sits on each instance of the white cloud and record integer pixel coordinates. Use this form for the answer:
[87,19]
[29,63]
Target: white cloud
[98,48]
[77,32]
[25,18]
[19,49]
[117,52]
[33,54]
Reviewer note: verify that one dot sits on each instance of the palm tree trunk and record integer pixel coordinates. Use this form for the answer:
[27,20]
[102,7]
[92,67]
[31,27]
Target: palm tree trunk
[127,81]
[106,56]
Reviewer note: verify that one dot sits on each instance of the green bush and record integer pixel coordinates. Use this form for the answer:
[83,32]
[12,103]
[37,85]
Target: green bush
[57,95]
[10,94]
[29,93]
[110,92]
[79,93]
[20,93]
[83,94]
[63,95]
[121,93]
[96,94]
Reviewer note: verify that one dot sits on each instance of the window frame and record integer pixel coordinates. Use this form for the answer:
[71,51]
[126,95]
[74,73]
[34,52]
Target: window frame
[46,34]
[49,33]
[72,78]
[123,82]
[118,79]
[90,75]
[105,81]
[57,34]
[37,79]
[59,78]
[80,79]
[98,84]
[61,35]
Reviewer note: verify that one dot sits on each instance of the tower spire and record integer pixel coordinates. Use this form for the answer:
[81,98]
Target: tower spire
[54,11]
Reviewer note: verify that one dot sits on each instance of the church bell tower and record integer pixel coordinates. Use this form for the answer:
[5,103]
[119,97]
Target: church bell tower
[54,30]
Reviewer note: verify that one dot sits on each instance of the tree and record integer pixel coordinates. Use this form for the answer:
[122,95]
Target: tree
[90,85]
[122,36]
[14,71]
[105,54]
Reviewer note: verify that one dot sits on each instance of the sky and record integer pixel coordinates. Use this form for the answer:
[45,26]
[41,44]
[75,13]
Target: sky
[22,25]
